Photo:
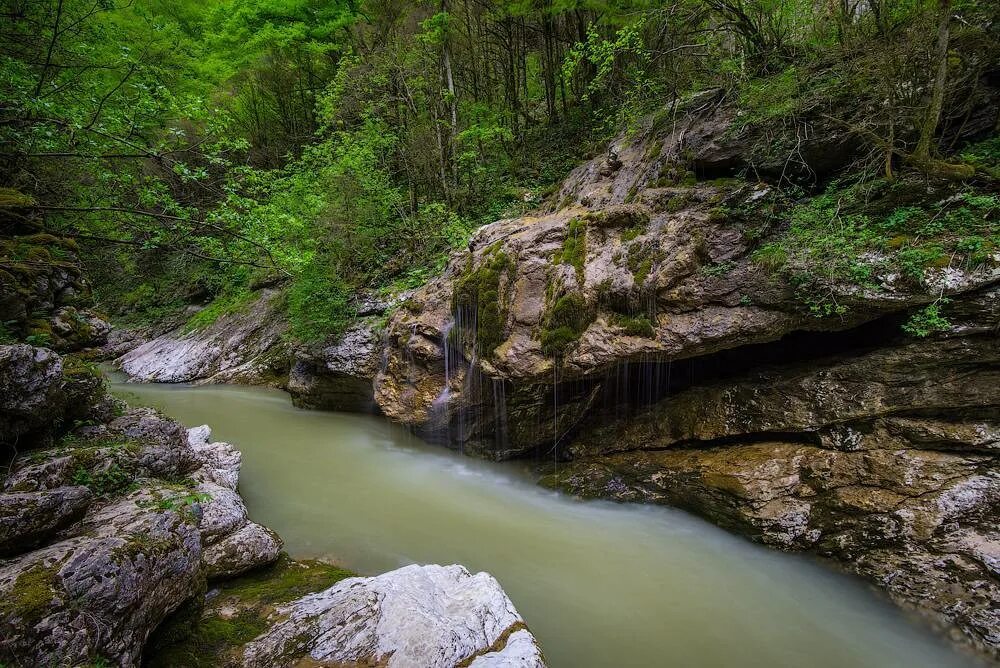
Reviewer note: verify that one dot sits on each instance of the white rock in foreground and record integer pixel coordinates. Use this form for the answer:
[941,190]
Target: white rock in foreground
[427,616]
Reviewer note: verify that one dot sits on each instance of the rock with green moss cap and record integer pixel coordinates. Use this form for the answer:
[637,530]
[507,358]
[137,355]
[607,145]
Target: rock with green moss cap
[429,616]
[100,592]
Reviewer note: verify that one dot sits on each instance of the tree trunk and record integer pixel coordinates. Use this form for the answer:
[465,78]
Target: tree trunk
[452,100]
[922,153]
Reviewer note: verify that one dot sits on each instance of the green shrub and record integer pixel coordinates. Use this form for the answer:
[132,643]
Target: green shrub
[928,320]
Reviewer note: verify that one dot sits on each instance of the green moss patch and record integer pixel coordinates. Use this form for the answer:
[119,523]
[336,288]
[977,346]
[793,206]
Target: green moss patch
[635,325]
[477,292]
[31,597]
[566,322]
[212,636]
[574,248]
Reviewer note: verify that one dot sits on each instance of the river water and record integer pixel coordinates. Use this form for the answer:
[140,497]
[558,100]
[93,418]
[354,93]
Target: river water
[600,585]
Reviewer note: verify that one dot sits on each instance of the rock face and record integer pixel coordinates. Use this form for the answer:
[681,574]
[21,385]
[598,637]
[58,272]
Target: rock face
[338,376]
[242,347]
[559,305]
[100,593]
[27,518]
[887,461]
[33,390]
[44,294]
[127,520]
[433,616]
[43,393]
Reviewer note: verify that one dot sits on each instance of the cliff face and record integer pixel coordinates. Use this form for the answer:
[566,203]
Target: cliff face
[638,332]
[638,264]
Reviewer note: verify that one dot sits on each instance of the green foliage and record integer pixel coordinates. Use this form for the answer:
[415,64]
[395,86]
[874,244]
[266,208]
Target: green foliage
[7,334]
[852,233]
[928,320]
[108,482]
[771,97]
[984,156]
[718,269]
[220,306]
[319,303]
[40,339]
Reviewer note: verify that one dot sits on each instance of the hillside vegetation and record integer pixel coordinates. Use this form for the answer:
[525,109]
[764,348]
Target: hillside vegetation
[197,150]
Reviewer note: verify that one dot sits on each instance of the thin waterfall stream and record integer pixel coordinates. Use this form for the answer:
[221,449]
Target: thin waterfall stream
[599,584]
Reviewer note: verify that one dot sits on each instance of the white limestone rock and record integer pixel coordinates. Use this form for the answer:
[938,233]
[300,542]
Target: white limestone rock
[428,616]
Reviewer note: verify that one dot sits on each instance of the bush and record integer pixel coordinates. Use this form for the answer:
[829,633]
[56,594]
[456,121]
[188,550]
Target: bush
[928,320]
[319,304]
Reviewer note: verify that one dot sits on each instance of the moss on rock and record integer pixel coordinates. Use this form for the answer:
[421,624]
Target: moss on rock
[237,612]
[477,293]
[574,248]
[566,322]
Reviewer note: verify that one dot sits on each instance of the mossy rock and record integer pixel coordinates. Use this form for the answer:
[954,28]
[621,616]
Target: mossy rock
[477,297]
[569,318]
[640,326]
[211,635]
[30,600]
[574,248]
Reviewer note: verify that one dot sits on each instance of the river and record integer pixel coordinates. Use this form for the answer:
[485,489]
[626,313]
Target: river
[600,584]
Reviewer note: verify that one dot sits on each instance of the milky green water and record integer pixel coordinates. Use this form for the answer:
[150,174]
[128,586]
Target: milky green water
[601,585]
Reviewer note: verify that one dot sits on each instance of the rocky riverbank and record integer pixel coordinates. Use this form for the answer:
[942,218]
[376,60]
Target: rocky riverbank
[129,517]
[118,524]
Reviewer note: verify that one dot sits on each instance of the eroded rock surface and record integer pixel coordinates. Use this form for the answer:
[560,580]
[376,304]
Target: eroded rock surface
[338,376]
[99,593]
[127,520]
[246,346]
[885,461]
[433,616]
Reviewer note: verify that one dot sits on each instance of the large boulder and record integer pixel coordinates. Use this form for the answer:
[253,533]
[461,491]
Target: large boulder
[98,594]
[249,547]
[429,616]
[31,391]
[138,444]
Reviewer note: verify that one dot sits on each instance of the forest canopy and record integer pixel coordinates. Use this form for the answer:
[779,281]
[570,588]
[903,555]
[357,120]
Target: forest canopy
[345,145]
